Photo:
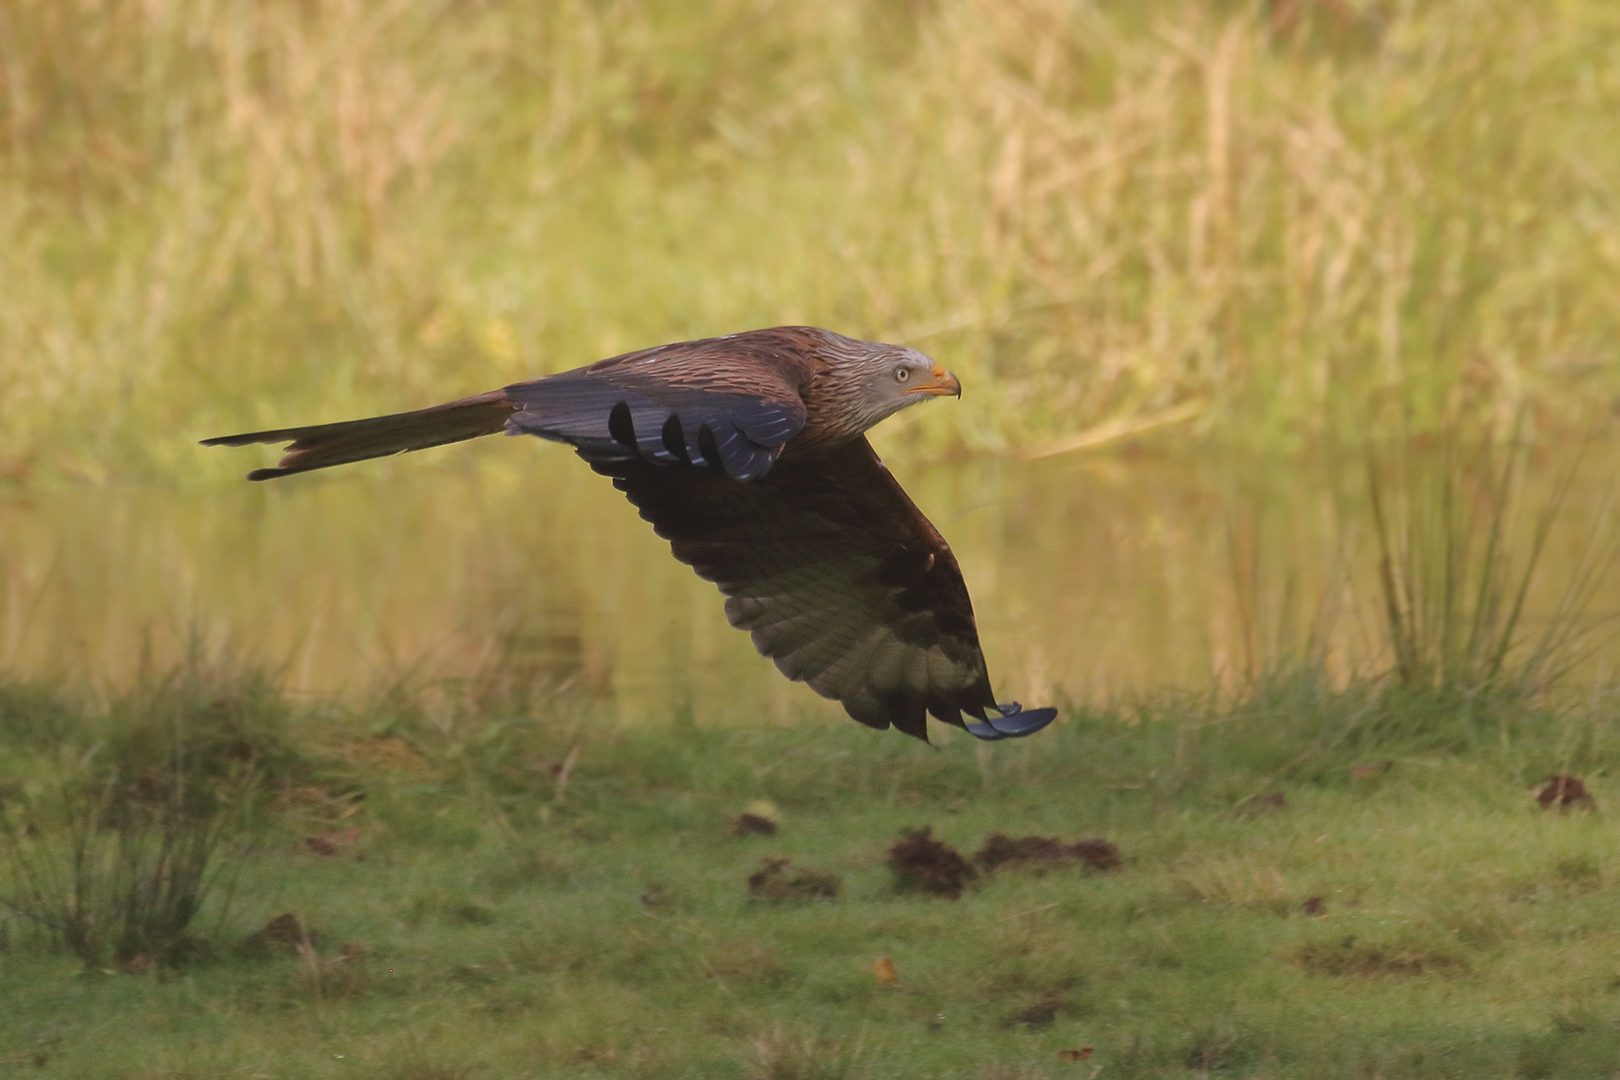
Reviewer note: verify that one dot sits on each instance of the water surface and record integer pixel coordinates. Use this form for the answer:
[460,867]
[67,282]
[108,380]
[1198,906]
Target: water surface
[506,561]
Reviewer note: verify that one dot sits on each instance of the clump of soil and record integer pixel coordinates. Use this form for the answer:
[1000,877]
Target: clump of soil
[332,843]
[752,825]
[1269,803]
[1564,792]
[1314,906]
[1003,851]
[777,880]
[1041,1013]
[923,864]
[281,935]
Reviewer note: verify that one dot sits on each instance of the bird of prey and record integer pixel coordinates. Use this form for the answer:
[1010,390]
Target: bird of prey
[748,454]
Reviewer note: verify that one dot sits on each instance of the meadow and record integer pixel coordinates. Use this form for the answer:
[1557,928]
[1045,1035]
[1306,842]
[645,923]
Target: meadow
[1311,884]
[1283,467]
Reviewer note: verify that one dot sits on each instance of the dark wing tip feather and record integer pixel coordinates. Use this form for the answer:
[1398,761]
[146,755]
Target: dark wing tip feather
[1014,722]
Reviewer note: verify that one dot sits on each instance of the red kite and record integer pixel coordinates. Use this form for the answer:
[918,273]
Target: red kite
[748,454]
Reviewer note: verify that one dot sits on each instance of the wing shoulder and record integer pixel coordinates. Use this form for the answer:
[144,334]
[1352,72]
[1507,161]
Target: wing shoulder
[729,404]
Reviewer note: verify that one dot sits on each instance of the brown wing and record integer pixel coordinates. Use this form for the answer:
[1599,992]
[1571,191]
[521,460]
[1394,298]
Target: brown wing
[837,575]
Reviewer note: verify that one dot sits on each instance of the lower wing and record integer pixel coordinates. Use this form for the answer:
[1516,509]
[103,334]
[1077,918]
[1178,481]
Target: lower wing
[840,579]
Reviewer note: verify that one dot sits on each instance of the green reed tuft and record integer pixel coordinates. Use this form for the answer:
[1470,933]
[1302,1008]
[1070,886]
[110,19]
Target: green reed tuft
[115,820]
[1461,537]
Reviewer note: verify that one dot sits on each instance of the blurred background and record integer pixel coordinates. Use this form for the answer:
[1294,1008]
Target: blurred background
[1214,275]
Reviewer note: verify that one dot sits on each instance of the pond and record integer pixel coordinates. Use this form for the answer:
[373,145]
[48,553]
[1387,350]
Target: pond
[507,563]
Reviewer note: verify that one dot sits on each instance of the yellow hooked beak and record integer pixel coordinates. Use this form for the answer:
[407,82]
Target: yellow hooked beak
[938,383]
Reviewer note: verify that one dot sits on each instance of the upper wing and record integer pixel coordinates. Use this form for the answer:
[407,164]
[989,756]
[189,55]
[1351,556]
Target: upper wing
[730,402]
[839,578]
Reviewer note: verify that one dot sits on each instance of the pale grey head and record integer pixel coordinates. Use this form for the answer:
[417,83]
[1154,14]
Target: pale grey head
[869,381]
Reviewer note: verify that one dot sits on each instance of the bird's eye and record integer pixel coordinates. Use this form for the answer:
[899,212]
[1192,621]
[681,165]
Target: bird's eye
[902,374]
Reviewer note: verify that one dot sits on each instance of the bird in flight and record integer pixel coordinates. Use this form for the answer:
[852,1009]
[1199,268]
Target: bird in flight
[748,454]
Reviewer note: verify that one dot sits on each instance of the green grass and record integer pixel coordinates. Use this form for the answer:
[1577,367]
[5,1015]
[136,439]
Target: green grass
[489,921]
[1260,217]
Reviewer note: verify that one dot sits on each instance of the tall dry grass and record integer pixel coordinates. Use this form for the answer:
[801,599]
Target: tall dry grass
[1260,217]
[1283,217]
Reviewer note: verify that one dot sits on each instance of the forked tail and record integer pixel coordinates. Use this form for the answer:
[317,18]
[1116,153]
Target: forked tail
[322,445]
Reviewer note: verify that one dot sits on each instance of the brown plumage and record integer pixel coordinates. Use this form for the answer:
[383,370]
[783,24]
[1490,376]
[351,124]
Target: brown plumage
[747,453]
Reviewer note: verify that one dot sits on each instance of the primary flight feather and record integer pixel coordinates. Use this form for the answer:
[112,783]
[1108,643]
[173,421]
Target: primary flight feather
[748,454]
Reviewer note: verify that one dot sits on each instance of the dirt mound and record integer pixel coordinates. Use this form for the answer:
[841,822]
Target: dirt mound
[1041,1013]
[752,825]
[1004,851]
[923,864]
[1564,792]
[777,880]
[332,843]
[282,935]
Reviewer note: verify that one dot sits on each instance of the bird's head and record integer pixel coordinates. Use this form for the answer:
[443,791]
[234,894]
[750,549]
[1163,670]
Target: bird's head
[876,381]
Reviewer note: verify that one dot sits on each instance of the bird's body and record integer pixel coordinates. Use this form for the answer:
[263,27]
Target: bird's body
[747,453]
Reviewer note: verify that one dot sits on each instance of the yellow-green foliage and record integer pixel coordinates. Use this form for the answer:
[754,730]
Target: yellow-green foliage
[216,215]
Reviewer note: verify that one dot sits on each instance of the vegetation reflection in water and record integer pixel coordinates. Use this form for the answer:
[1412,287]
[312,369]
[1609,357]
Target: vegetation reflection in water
[514,568]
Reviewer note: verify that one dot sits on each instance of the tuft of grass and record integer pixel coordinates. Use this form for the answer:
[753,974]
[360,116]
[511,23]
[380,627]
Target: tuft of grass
[1478,596]
[115,822]
[1460,544]
[785,1055]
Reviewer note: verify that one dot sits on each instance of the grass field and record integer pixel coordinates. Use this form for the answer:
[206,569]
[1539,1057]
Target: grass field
[1313,884]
